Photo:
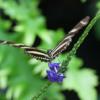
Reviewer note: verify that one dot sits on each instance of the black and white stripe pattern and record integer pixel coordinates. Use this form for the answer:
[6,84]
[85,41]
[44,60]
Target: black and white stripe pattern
[33,52]
[49,56]
[68,38]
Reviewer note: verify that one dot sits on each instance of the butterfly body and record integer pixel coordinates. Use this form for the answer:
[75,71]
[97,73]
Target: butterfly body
[53,53]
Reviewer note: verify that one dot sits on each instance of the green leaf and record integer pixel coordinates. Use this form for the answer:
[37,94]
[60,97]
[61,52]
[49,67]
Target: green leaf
[75,63]
[82,81]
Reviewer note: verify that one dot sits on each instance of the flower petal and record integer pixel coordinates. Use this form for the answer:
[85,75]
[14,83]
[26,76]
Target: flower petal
[52,76]
[60,77]
[55,77]
[54,66]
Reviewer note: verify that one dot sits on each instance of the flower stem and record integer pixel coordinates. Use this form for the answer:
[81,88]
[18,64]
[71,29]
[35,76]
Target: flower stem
[70,54]
[43,90]
[79,42]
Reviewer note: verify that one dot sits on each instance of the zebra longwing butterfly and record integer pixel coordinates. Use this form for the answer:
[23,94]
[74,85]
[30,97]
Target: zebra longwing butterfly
[49,56]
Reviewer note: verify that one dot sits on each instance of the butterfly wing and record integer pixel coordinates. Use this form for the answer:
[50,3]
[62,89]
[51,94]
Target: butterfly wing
[43,56]
[35,53]
[38,54]
[67,40]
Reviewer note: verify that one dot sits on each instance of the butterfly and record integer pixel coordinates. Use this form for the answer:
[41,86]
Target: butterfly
[50,54]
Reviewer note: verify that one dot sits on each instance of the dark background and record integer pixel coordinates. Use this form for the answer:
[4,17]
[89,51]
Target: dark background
[65,14]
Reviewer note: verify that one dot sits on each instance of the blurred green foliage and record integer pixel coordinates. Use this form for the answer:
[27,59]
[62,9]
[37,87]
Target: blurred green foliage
[22,77]
[82,80]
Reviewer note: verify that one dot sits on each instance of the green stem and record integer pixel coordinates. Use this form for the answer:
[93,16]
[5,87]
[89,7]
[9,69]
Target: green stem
[43,90]
[79,42]
[71,53]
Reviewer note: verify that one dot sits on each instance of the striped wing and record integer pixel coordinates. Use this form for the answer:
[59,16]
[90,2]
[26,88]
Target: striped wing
[35,53]
[67,40]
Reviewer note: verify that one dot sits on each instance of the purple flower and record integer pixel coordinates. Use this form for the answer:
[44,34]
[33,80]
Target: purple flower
[53,74]
[54,66]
